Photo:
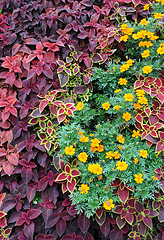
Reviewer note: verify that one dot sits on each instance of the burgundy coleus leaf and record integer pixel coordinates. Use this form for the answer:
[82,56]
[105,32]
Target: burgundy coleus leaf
[44,237]
[3,222]
[52,220]
[39,51]
[51,46]
[61,177]
[61,226]
[123,194]
[99,212]
[29,230]
[105,228]
[120,222]
[83,223]
[71,185]
[33,213]
[43,104]
[138,206]
[129,218]
[102,219]
[48,72]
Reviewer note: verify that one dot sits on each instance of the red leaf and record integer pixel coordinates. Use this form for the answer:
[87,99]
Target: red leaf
[10,78]
[61,118]
[31,191]
[26,174]
[3,222]
[29,230]
[99,212]
[15,49]
[43,183]
[63,78]
[129,218]
[105,228]
[116,234]
[139,207]
[31,41]
[83,223]
[71,185]
[60,226]
[33,213]
[52,220]
[120,222]
[75,173]
[42,105]
[123,194]
[8,168]
[61,177]
[102,219]
[48,72]
[2,214]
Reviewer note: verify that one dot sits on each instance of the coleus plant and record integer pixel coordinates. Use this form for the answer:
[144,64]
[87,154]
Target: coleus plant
[150,119]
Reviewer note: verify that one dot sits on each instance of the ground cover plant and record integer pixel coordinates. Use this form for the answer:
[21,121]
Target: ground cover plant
[81,120]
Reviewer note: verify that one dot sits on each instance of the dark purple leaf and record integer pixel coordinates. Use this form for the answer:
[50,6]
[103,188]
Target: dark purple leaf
[83,223]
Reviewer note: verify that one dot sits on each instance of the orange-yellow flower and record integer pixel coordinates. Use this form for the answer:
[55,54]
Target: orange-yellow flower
[136,134]
[147,69]
[158,15]
[84,188]
[140,92]
[143,153]
[124,67]
[108,205]
[117,91]
[70,150]
[146,7]
[83,138]
[120,147]
[145,54]
[128,97]
[117,107]
[79,106]
[122,81]
[126,116]
[137,105]
[122,166]
[95,168]
[124,38]
[138,178]
[116,155]
[95,142]
[106,105]
[142,100]
[109,155]
[135,160]
[144,22]
[100,148]
[160,50]
[83,157]
[120,138]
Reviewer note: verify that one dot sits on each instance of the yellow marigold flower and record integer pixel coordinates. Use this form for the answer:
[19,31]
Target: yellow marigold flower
[130,62]
[145,44]
[79,106]
[74,144]
[158,15]
[84,139]
[94,149]
[126,116]
[122,166]
[153,38]
[162,44]
[90,180]
[135,36]
[120,147]
[123,26]
[140,92]
[143,153]
[95,142]
[141,34]
[124,38]
[83,157]
[136,134]
[144,22]
[95,168]
[135,160]
[114,68]
[91,135]
[100,178]
[138,178]
[117,107]
[117,91]
[106,105]
[147,69]
[100,148]
[122,81]
[155,178]
[137,105]
[142,100]
[145,54]
[109,155]
[160,50]
[80,132]
[70,150]
[124,67]
[108,205]
[84,188]
[128,31]
[120,138]
[128,97]
[146,7]
[116,155]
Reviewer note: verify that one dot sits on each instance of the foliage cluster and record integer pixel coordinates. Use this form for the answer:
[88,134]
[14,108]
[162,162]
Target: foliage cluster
[48,50]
